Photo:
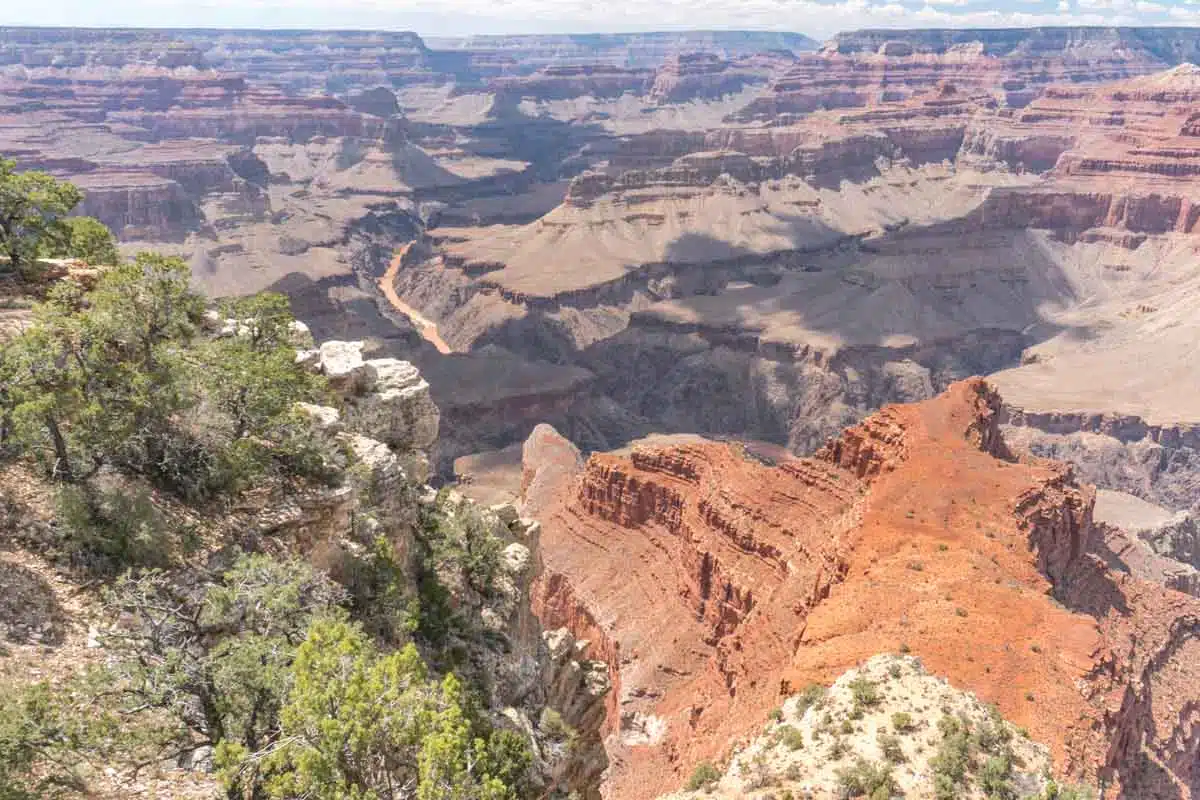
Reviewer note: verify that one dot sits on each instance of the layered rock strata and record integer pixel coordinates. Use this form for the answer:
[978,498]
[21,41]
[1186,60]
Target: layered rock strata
[913,532]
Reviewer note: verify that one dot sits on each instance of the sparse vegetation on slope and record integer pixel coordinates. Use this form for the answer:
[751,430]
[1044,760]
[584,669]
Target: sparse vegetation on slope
[142,418]
[887,729]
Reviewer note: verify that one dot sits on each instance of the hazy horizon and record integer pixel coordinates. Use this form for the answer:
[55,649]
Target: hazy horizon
[449,18]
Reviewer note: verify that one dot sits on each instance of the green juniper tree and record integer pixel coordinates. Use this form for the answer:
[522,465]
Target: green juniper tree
[32,208]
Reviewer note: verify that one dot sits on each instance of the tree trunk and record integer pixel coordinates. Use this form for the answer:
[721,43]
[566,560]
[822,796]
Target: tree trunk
[62,458]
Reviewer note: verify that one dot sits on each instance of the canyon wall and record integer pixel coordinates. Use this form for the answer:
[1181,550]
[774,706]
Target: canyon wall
[906,533]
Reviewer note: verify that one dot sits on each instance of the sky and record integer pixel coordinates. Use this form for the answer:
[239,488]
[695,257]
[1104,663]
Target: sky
[817,18]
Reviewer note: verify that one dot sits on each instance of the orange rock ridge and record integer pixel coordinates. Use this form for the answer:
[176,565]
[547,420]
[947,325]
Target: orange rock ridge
[715,584]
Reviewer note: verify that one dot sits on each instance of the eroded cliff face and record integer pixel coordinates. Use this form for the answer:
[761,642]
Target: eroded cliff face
[914,531]
[879,222]
[534,679]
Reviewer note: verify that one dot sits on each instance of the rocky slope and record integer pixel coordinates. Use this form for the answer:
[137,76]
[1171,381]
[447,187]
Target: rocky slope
[890,714]
[535,681]
[911,532]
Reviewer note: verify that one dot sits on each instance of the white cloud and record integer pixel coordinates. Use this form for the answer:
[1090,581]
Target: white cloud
[442,17]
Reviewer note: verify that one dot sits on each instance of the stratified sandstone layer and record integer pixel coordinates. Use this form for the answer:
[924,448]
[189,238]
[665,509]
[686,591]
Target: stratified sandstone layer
[717,584]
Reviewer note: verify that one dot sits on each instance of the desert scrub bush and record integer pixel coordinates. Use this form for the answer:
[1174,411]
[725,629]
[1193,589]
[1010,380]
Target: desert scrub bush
[704,777]
[953,759]
[757,772]
[103,530]
[213,651]
[555,727]
[995,778]
[865,692]
[889,745]
[462,542]
[866,779]
[838,748]
[790,737]
[810,697]
[902,722]
[1055,791]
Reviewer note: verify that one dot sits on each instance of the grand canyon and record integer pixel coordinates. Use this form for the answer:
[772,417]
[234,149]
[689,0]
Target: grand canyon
[794,354]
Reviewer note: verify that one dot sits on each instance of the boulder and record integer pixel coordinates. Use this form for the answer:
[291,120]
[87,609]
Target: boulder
[343,365]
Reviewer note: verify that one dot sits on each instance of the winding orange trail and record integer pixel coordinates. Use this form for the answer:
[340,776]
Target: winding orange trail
[427,328]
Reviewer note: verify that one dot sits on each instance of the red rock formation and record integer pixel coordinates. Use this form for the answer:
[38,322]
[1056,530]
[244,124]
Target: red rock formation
[717,583]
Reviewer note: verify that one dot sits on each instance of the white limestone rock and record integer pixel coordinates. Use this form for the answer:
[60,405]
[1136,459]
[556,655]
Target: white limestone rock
[324,418]
[343,365]
[398,409]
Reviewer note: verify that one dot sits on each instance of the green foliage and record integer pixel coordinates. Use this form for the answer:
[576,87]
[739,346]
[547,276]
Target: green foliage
[381,597]
[214,654]
[461,541]
[953,759]
[551,723]
[35,734]
[790,737]
[889,745]
[995,778]
[359,724]
[704,776]
[105,528]
[865,692]
[1055,791]
[120,377]
[866,779]
[32,207]
[902,721]
[84,238]
[811,697]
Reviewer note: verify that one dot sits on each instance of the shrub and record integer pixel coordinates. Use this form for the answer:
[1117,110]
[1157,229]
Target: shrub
[953,758]
[758,773]
[866,779]
[106,529]
[790,737]
[890,747]
[995,779]
[1054,791]
[902,721]
[119,377]
[865,692]
[213,652]
[704,776]
[838,749]
[552,724]
[461,541]
[811,697]
[357,723]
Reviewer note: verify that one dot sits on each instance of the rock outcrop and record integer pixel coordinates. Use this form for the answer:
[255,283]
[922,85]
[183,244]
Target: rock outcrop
[812,746]
[907,533]
[536,681]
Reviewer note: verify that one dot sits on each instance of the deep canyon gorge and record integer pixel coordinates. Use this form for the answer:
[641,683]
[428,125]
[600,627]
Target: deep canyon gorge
[795,352]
